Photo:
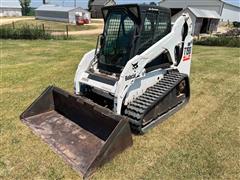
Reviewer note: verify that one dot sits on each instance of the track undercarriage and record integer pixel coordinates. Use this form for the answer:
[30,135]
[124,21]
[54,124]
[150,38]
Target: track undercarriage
[158,102]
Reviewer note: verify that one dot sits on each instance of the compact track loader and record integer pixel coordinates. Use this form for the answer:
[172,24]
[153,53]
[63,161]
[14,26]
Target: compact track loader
[137,76]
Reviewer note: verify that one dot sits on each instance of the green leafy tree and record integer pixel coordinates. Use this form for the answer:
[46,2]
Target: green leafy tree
[25,6]
[89,4]
[153,4]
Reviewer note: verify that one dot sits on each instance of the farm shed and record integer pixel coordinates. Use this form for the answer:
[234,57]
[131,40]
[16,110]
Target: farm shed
[60,13]
[204,21]
[96,7]
[10,8]
[230,13]
[225,10]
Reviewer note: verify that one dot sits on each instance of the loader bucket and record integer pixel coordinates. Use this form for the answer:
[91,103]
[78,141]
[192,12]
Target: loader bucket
[85,134]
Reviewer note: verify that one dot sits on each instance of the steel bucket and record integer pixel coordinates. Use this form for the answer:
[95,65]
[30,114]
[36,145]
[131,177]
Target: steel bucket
[85,134]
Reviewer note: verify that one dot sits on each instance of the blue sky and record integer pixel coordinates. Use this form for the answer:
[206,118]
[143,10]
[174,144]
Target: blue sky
[83,3]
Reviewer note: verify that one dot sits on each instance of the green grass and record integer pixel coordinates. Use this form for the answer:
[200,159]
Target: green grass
[52,25]
[25,32]
[199,142]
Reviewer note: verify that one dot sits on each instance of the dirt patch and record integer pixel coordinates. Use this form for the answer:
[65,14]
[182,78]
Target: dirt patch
[10,20]
[99,30]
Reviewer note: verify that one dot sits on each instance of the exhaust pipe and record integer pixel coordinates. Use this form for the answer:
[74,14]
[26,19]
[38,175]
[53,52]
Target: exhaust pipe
[85,134]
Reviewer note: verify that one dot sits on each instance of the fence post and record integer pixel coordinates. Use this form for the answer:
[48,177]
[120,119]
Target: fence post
[67,30]
[43,27]
[13,25]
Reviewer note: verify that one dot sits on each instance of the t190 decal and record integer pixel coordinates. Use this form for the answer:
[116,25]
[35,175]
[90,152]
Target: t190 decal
[187,53]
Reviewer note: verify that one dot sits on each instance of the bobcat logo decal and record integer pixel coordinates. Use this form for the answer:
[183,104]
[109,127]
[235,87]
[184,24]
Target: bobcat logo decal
[135,66]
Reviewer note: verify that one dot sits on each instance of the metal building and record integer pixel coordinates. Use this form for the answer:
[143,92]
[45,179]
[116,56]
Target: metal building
[10,8]
[205,14]
[225,10]
[60,13]
[204,21]
[230,13]
[96,7]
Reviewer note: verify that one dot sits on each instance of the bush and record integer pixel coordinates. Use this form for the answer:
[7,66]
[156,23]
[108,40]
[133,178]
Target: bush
[219,41]
[27,32]
[235,32]
[236,24]
[24,32]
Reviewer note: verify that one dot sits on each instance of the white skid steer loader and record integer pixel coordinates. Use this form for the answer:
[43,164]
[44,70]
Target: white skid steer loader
[137,76]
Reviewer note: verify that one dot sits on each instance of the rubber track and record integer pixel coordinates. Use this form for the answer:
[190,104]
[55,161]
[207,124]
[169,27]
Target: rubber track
[136,110]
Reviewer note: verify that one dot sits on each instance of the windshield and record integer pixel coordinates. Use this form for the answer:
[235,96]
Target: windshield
[118,36]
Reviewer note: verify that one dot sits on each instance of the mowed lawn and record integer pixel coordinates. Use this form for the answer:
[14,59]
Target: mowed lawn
[199,142]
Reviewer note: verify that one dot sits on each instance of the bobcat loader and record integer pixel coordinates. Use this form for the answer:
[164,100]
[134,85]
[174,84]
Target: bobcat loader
[137,76]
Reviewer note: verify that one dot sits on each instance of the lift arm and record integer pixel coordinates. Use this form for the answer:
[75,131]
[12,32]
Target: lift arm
[135,68]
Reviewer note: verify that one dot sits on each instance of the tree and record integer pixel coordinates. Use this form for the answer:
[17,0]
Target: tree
[89,4]
[153,4]
[25,4]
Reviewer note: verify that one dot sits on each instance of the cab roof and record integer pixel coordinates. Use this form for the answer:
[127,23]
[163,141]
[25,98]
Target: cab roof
[142,7]
[135,9]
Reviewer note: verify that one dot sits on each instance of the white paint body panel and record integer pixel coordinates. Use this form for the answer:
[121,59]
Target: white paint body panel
[83,66]
[141,84]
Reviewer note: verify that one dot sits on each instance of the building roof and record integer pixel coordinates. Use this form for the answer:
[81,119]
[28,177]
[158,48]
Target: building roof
[58,8]
[102,2]
[10,4]
[230,4]
[224,1]
[203,13]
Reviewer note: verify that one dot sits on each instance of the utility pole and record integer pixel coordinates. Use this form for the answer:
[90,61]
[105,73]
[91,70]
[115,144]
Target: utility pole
[75,3]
